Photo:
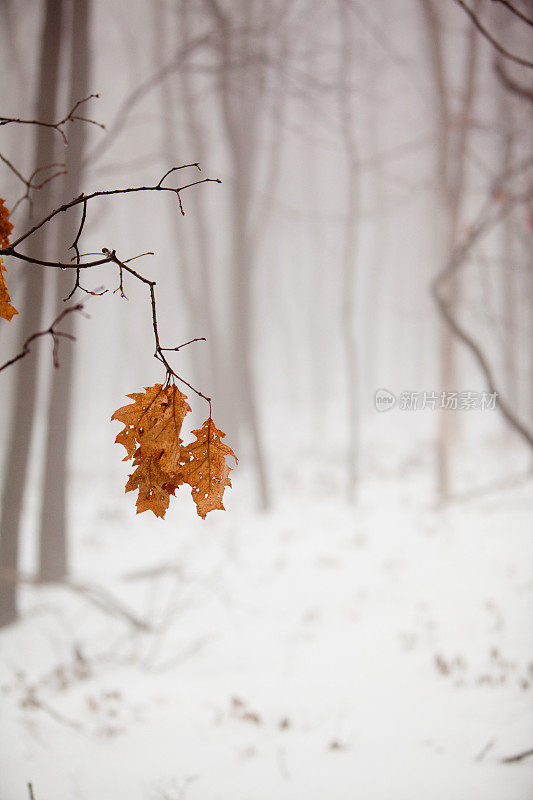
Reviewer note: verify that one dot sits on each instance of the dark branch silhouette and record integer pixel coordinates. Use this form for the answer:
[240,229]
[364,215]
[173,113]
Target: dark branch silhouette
[30,183]
[517,757]
[511,85]
[514,10]
[50,331]
[490,215]
[490,38]
[57,126]
[108,255]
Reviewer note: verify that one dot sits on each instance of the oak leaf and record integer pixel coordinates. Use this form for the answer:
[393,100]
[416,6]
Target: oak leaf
[7,311]
[162,427]
[151,436]
[204,468]
[5,225]
[152,483]
[153,421]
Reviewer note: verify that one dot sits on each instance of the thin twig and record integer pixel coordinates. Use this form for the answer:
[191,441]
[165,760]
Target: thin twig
[112,256]
[174,169]
[510,84]
[484,750]
[108,256]
[198,339]
[58,126]
[50,331]
[488,36]
[515,10]
[488,217]
[74,245]
[517,756]
[94,593]
[29,182]
[35,702]
[83,198]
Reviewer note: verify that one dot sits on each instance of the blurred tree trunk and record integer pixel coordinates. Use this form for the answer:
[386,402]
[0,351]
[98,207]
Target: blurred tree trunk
[175,150]
[375,296]
[241,91]
[349,254]
[452,132]
[203,251]
[511,349]
[54,524]
[512,104]
[320,362]
[23,412]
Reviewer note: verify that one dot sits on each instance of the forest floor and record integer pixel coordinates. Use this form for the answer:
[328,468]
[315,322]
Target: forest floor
[381,651]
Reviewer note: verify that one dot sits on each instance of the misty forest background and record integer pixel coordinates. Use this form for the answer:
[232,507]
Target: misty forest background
[372,230]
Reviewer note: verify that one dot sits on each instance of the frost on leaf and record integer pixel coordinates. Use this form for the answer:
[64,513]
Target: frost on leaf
[204,468]
[6,309]
[151,436]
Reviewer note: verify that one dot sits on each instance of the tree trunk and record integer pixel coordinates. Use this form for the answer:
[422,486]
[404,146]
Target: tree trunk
[203,251]
[348,287]
[450,177]
[242,325]
[242,83]
[53,562]
[22,417]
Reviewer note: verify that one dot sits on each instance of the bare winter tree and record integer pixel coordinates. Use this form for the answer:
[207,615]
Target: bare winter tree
[505,207]
[23,411]
[53,544]
[347,117]
[453,130]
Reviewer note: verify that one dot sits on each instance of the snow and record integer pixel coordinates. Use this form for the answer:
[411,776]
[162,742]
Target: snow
[374,651]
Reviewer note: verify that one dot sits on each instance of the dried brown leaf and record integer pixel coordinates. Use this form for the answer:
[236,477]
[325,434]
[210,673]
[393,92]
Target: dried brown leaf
[7,311]
[151,436]
[153,420]
[204,468]
[152,483]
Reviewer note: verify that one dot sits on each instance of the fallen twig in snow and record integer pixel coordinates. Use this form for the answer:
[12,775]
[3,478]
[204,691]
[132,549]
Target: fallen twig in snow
[95,594]
[32,701]
[484,750]
[517,756]
[106,602]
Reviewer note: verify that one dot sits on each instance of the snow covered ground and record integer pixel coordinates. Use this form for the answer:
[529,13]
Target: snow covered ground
[376,652]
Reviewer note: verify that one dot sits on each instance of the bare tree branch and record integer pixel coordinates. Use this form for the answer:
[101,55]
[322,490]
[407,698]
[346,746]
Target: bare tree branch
[29,182]
[490,215]
[511,85]
[490,38]
[108,256]
[84,198]
[50,331]
[94,593]
[517,757]
[514,10]
[159,350]
[58,126]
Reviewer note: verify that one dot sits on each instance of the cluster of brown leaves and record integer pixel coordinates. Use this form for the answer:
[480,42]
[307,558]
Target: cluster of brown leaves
[151,436]
[6,309]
